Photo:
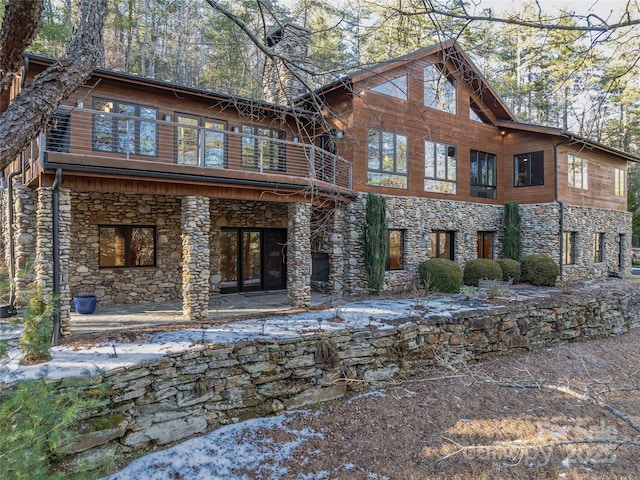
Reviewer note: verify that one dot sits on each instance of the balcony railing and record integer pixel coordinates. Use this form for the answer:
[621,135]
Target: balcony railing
[78,134]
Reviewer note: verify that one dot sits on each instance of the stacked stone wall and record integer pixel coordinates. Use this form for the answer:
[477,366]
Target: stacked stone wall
[124,285]
[196,227]
[189,393]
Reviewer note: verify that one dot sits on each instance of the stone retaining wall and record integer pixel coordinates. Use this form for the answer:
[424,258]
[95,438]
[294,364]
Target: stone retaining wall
[189,393]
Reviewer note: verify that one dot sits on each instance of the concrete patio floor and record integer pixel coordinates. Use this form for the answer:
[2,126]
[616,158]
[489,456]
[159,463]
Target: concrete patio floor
[121,317]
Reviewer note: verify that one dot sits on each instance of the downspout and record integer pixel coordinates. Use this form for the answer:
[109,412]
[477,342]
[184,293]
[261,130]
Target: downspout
[10,215]
[557,199]
[55,209]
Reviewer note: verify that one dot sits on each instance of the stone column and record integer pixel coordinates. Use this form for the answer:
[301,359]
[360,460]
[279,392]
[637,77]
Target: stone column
[299,254]
[196,224]
[44,262]
[336,253]
[24,238]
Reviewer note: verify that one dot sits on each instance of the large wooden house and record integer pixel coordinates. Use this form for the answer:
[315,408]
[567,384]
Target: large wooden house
[145,191]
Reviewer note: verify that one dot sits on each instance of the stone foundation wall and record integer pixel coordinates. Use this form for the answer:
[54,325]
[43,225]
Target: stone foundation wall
[189,393]
[124,285]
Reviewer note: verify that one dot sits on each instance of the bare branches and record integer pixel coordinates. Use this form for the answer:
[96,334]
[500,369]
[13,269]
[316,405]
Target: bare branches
[22,20]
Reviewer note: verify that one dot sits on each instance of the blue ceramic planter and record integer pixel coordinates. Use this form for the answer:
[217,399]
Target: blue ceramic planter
[85,304]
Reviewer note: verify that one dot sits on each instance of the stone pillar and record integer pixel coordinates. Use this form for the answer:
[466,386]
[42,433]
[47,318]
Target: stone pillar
[299,254]
[64,252]
[24,238]
[196,224]
[336,253]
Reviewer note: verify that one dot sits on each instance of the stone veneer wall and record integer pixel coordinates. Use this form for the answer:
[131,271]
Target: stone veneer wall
[239,214]
[299,254]
[124,285]
[587,221]
[540,230]
[418,217]
[189,393]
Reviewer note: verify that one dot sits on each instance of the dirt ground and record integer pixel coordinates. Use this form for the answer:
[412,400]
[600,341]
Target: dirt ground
[521,417]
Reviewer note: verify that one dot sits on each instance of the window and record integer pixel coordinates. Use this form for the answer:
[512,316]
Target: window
[569,249]
[529,169]
[387,159]
[200,141]
[476,114]
[442,244]
[483,174]
[394,88]
[485,245]
[260,152]
[395,249]
[578,175]
[439,168]
[127,246]
[116,133]
[439,89]
[598,247]
[620,183]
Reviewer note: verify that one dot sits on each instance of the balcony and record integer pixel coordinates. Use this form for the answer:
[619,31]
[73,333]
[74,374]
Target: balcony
[98,141]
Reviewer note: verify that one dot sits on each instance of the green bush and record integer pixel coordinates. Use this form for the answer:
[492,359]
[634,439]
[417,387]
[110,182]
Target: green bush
[510,269]
[540,270]
[481,268]
[440,275]
[38,328]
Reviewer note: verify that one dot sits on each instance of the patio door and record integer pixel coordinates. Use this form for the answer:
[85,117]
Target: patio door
[252,259]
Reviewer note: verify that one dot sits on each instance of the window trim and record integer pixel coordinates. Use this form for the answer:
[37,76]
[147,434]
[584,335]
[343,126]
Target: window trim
[380,158]
[402,250]
[201,146]
[432,176]
[539,157]
[138,120]
[569,239]
[490,189]
[572,162]
[127,244]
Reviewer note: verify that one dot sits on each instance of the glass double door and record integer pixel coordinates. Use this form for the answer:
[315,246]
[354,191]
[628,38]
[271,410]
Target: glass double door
[252,259]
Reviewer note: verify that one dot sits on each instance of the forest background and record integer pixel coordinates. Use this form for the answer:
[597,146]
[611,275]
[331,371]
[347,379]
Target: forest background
[573,69]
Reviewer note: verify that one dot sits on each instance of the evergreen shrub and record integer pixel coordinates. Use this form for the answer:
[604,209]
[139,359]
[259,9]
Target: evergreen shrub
[441,275]
[540,270]
[481,268]
[35,340]
[510,269]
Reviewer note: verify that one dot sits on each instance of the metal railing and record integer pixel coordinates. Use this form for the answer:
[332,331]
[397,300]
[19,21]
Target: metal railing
[78,131]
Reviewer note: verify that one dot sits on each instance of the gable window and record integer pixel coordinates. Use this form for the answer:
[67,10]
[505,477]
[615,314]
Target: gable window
[386,159]
[598,247]
[476,114]
[114,132]
[127,246]
[578,175]
[483,174]
[439,89]
[569,249]
[394,88]
[620,183]
[440,168]
[395,249]
[442,244]
[529,169]
[485,245]
[258,151]
[200,141]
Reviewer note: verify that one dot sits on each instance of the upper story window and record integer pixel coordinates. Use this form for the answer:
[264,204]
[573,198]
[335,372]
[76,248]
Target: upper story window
[483,174]
[261,152]
[386,159]
[114,132]
[440,167]
[394,88]
[476,114]
[200,141]
[127,246]
[439,89]
[620,184]
[529,169]
[395,249]
[578,174]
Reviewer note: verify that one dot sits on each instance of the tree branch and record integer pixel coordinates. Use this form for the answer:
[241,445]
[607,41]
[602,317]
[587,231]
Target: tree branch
[21,22]
[30,111]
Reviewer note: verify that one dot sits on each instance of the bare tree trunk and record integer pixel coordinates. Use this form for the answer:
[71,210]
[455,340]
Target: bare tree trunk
[22,20]
[36,103]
